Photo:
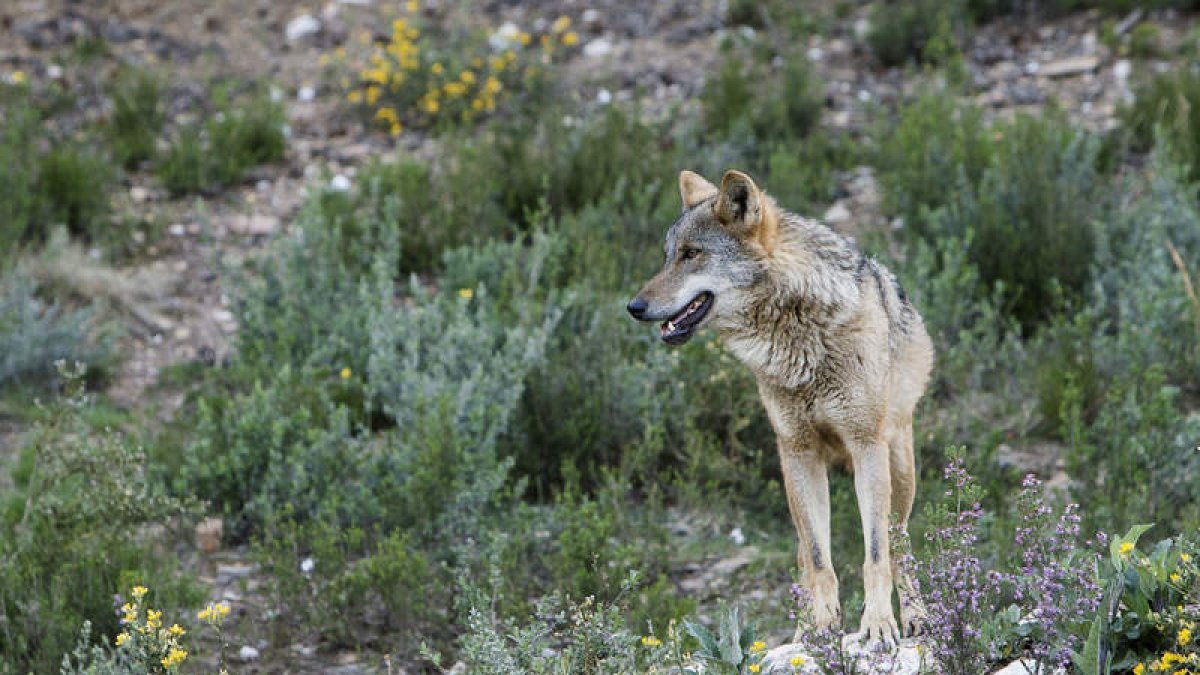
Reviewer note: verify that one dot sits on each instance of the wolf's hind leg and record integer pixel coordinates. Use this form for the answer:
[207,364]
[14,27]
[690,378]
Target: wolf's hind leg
[873,487]
[904,481]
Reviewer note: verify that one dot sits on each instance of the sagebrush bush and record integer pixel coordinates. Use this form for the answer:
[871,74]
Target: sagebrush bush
[746,97]
[34,333]
[913,30]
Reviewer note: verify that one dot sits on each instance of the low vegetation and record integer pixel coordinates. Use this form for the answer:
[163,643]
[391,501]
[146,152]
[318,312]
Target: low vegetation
[440,438]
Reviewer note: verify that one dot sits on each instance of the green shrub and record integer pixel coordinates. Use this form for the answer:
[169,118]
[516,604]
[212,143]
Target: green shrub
[20,200]
[769,104]
[913,30]
[34,333]
[1144,41]
[137,119]
[72,534]
[218,150]
[1167,108]
[935,145]
[73,184]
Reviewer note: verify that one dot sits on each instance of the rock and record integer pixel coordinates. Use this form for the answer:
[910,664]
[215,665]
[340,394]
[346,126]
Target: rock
[228,573]
[301,27]
[247,654]
[1121,71]
[1026,93]
[54,71]
[837,214]
[738,537]
[590,19]
[1070,67]
[307,565]
[459,668]
[604,97]
[340,183]
[1024,667]
[256,225]
[138,194]
[209,530]
[306,93]
[597,48]
[303,650]
[906,660]
[505,37]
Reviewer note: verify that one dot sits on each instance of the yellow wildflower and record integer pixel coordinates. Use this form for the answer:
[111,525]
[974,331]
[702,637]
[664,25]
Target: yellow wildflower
[18,77]
[436,68]
[153,617]
[222,609]
[477,105]
[560,24]
[395,129]
[139,592]
[386,114]
[757,647]
[411,6]
[1126,548]
[372,95]
[1139,669]
[492,85]
[174,658]
[754,668]
[524,38]
[509,56]
[1184,636]
[340,52]
[467,294]
[354,97]
[122,638]
[176,630]
[398,26]
[570,38]
[454,89]
[1175,578]
[412,33]
[431,106]
[497,63]
[1185,557]
[1171,658]
[476,62]
[467,77]
[797,661]
[545,40]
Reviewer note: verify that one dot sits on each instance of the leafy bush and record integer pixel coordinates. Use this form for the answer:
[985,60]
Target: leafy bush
[72,536]
[72,184]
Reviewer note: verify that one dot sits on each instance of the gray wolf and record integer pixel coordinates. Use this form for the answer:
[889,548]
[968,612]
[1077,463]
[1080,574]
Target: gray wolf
[841,358]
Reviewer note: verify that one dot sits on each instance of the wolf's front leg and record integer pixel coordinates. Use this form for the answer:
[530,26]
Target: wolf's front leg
[807,483]
[873,486]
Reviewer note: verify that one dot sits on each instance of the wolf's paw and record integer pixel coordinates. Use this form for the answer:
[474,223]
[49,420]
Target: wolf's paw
[880,631]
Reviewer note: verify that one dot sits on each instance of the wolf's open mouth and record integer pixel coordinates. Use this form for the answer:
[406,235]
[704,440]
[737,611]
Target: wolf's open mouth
[678,329]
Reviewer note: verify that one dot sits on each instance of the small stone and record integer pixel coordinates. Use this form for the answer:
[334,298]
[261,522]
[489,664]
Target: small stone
[228,573]
[301,27]
[307,565]
[256,225]
[1122,70]
[505,37]
[247,654]
[738,537]
[231,595]
[597,48]
[837,214]
[1070,67]
[604,97]
[815,54]
[54,71]
[210,530]
[303,650]
[862,28]
[306,93]
[590,18]
[459,668]
[340,183]
[139,194]
[222,316]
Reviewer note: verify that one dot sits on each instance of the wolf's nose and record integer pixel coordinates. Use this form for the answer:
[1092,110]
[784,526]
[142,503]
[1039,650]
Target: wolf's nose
[637,307]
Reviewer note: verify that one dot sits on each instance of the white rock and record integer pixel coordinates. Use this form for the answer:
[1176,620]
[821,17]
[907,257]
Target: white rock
[590,17]
[302,27]
[906,660]
[604,97]
[597,48]
[1024,667]
[505,37]
[340,183]
[177,230]
[54,71]
[1070,67]
[307,565]
[256,225]
[226,316]
[837,214]
[306,93]
[247,654]
[1121,70]
[862,28]
[357,3]
[815,54]
[138,194]
[737,536]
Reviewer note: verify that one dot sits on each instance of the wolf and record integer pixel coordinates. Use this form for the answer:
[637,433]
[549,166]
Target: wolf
[841,358]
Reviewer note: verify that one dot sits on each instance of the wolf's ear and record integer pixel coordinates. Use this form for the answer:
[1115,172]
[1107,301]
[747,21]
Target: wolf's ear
[693,189]
[740,205]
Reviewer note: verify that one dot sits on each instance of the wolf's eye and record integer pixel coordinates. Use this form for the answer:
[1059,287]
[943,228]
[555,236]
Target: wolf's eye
[691,253]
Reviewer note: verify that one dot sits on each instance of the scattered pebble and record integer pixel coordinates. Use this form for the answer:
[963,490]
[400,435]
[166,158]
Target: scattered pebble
[247,654]
[301,27]
[340,183]
[597,48]
[505,37]
[737,536]
[604,97]
[307,565]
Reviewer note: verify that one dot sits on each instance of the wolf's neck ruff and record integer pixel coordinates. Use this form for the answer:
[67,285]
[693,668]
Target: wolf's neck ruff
[808,294]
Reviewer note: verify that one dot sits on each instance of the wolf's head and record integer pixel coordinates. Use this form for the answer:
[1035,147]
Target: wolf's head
[715,253]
